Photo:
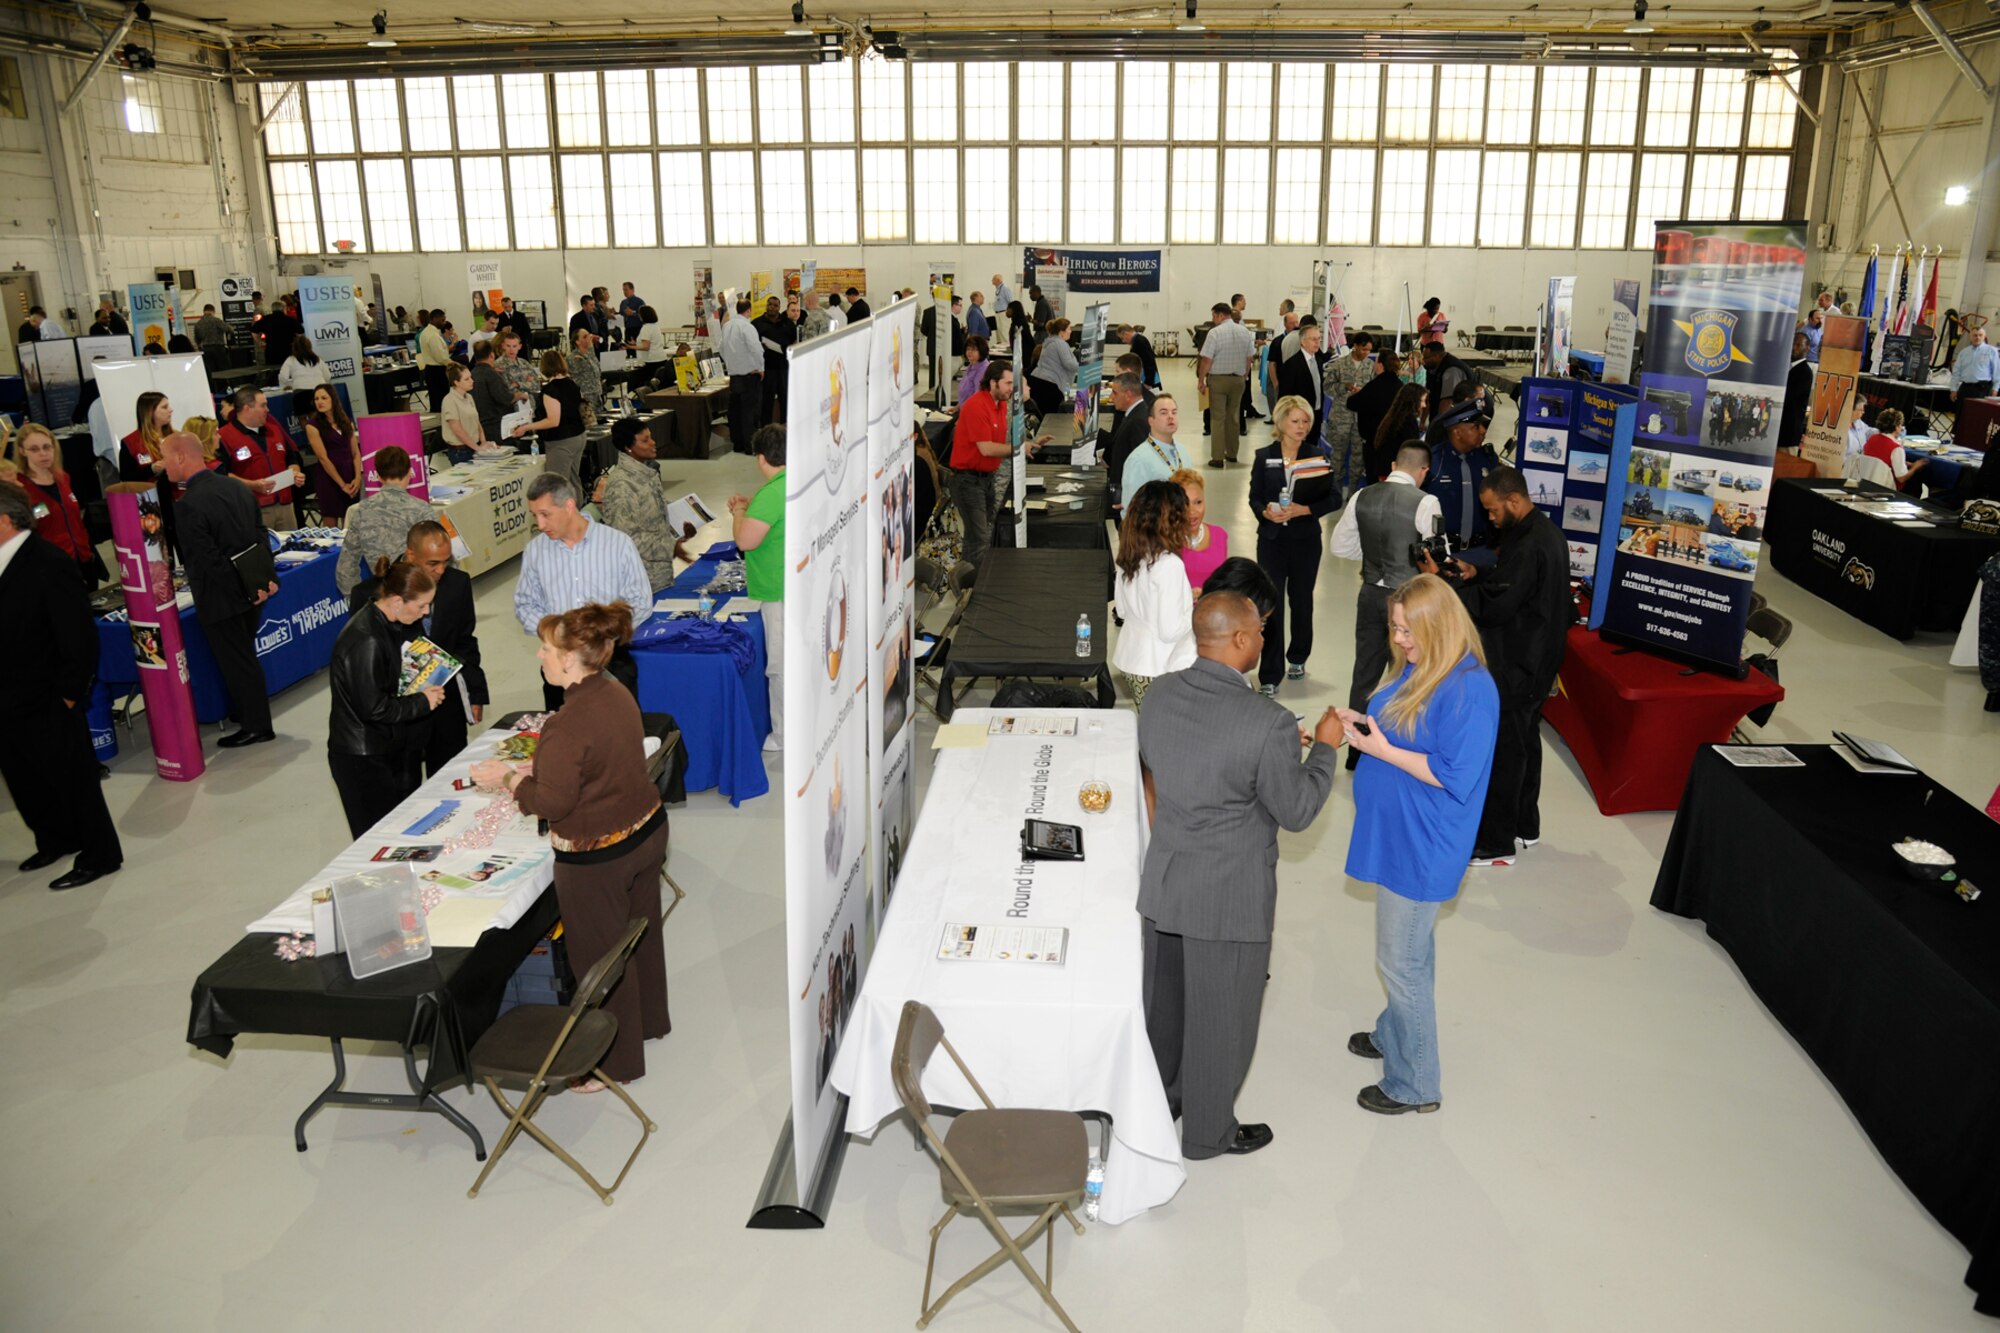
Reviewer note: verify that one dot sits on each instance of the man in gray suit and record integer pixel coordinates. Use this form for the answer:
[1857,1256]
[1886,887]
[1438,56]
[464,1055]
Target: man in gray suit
[1222,772]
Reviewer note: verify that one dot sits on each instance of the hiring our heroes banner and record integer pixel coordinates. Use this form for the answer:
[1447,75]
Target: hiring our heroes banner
[1101,270]
[1690,469]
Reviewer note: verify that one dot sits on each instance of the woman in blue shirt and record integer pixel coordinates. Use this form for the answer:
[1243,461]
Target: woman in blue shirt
[1427,752]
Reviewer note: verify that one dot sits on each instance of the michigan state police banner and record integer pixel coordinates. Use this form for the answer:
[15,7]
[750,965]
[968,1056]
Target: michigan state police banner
[892,576]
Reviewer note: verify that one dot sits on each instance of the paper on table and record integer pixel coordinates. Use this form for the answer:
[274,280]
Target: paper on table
[1760,756]
[1914,523]
[457,923]
[959,736]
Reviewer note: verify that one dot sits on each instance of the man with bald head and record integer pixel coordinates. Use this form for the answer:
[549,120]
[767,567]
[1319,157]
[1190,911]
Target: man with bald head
[216,519]
[1223,775]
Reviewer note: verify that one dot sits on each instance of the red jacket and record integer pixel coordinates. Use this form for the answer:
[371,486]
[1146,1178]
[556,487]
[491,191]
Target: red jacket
[983,420]
[58,517]
[264,454]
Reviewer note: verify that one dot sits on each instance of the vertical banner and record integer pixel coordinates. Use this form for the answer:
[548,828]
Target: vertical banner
[826,718]
[760,290]
[1565,454]
[236,310]
[1620,333]
[892,576]
[403,430]
[1089,378]
[326,305]
[1835,384]
[52,374]
[943,280]
[484,277]
[1017,431]
[156,315]
[155,621]
[1044,269]
[704,296]
[1685,512]
[1558,313]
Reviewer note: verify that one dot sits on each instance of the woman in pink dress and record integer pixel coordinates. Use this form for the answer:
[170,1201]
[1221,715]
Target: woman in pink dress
[1208,545]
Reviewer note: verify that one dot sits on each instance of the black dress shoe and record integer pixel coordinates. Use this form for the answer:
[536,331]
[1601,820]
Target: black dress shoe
[1372,1098]
[1993,701]
[1363,1045]
[1249,1138]
[40,859]
[76,879]
[240,738]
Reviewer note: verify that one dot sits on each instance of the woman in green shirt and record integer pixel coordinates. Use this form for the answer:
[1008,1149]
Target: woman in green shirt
[759,530]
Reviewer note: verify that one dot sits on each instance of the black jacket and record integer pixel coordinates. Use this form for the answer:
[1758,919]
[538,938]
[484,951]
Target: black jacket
[1299,375]
[213,521]
[1149,369]
[779,330]
[47,615]
[454,625]
[1523,608]
[369,717]
[856,310]
[491,398]
[1319,494]
[517,320]
[1798,400]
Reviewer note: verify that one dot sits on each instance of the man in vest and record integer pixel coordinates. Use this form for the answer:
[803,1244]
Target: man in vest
[256,449]
[1377,528]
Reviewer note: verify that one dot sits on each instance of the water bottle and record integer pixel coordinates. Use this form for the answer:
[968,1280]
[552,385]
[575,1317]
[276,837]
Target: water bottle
[704,605]
[1083,636]
[1093,1188]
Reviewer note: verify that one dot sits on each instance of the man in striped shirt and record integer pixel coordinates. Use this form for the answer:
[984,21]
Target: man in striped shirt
[574,562]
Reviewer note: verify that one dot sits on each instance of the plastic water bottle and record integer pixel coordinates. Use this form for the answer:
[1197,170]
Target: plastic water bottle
[1083,635]
[704,605]
[1093,1188]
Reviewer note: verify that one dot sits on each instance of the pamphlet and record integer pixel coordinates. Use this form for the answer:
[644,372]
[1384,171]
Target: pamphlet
[1004,944]
[1871,756]
[426,852]
[523,417]
[490,866]
[1011,725]
[688,513]
[1760,756]
[424,665]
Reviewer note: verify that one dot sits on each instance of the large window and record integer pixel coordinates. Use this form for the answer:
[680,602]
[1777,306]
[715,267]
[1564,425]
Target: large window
[885,194]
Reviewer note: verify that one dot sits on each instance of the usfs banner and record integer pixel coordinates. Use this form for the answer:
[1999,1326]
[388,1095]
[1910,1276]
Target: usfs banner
[892,575]
[326,305]
[825,679]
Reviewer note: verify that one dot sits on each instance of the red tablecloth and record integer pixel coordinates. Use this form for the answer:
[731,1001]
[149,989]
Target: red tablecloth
[1634,720]
[1978,423]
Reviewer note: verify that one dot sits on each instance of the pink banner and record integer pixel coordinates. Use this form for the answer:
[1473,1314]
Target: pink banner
[155,621]
[404,430]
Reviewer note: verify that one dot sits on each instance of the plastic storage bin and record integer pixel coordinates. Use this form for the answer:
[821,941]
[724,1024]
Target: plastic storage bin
[381,920]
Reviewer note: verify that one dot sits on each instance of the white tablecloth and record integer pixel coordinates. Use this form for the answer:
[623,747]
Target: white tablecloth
[1070,1037]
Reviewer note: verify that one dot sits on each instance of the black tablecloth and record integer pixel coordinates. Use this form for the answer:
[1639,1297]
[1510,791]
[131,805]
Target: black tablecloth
[1900,580]
[1877,393]
[1890,984]
[1021,621]
[384,387]
[1060,527]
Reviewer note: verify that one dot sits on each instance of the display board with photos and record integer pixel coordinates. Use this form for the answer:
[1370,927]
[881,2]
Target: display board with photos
[1564,454]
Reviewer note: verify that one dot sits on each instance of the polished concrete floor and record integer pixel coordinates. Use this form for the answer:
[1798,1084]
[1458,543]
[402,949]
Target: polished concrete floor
[1628,1140]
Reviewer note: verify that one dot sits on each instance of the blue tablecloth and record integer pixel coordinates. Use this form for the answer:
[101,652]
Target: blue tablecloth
[1590,361]
[1941,472]
[724,711]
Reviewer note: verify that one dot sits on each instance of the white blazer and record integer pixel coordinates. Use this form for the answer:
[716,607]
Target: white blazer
[1157,605]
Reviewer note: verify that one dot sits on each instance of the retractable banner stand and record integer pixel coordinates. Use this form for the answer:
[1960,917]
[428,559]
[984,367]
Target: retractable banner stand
[1045,269]
[1622,330]
[155,621]
[1089,379]
[892,574]
[156,314]
[1558,313]
[943,280]
[1691,467]
[403,430]
[1836,381]
[1017,433]
[326,305]
[1565,454]
[484,277]
[236,309]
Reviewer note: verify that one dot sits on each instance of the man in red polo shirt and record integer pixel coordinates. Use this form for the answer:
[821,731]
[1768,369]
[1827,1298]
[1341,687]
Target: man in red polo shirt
[256,449]
[978,443]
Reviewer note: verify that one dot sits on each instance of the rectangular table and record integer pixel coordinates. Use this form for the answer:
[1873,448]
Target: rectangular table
[1890,984]
[1900,580]
[694,418]
[1978,421]
[723,705]
[1878,393]
[1060,527]
[492,517]
[1634,720]
[1071,1037]
[1021,621]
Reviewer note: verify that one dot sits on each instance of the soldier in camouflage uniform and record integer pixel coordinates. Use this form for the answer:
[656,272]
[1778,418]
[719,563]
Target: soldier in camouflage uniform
[633,501]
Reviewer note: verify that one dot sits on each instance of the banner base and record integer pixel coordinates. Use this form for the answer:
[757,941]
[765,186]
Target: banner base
[778,1206]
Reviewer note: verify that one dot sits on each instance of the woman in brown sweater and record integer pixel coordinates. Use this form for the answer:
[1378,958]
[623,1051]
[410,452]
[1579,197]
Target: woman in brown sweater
[588,779]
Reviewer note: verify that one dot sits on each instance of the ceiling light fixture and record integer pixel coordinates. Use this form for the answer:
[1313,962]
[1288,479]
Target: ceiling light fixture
[1956,195]
[382,37]
[798,28]
[1638,26]
[1191,24]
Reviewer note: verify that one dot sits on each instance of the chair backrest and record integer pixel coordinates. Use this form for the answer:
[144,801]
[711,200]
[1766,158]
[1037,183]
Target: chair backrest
[917,1038]
[1866,467]
[606,971]
[1758,601]
[1771,626]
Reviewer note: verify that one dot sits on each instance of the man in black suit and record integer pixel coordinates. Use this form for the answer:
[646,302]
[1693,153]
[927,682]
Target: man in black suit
[45,754]
[1142,347]
[857,308]
[517,320]
[217,519]
[1798,395]
[1129,399]
[452,625]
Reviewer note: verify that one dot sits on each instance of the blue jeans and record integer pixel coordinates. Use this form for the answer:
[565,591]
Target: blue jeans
[1406,1033]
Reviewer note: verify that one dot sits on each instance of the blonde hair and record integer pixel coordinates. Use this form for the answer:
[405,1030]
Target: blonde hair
[18,441]
[203,429]
[1186,477]
[1445,636]
[1290,403]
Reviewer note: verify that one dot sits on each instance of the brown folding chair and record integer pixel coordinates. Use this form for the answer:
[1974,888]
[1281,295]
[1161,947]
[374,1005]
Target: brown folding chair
[542,1048]
[990,1159]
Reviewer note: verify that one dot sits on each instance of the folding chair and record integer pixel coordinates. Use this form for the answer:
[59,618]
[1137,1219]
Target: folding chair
[541,1048]
[992,1158]
[1774,627]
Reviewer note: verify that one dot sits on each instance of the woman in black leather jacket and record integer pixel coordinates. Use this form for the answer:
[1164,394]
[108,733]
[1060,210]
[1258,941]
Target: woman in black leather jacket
[375,734]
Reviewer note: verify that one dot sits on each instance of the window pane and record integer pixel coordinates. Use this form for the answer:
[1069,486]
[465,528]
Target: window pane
[484,187]
[1405,179]
[1302,102]
[1712,192]
[632,197]
[1455,204]
[1718,121]
[1142,196]
[1565,91]
[437,201]
[1669,103]
[934,102]
[478,110]
[1553,221]
[381,120]
[293,208]
[578,123]
[936,181]
[781,105]
[1193,219]
[830,94]
[1296,220]
[1092,179]
[1196,88]
[677,105]
[836,197]
[526,99]
[585,222]
[1093,101]
[1041,193]
[1510,105]
[1774,115]
[1041,100]
[284,129]
[332,125]
[1408,103]
[1764,181]
[388,204]
[885,192]
[683,200]
[1604,201]
[1614,105]
[1146,103]
[340,205]
[1662,182]
[427,112]
[987,101]
[733,193]
[1249,114]
[1461,103]
[783,179]
[1246,196]
[1357,97]
[628,116]
[988,198]
[728,92]
[1503,198]
[882,100]
[1350,193]
[531,185]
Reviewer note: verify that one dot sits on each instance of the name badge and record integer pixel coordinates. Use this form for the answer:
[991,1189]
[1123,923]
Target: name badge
[41,511]
[243,454]
[1274,462]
